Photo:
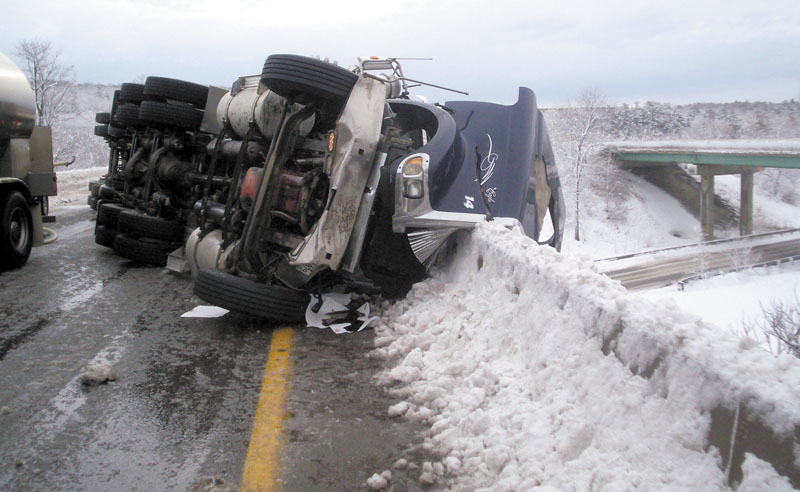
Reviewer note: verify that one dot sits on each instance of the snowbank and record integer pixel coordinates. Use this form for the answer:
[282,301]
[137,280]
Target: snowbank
[73,185]
[535,371]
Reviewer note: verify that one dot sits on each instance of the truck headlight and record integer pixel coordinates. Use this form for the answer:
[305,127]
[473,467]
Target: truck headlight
[413,178]
[413,188]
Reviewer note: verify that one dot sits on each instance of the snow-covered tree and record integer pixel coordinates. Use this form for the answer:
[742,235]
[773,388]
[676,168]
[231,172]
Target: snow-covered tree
[52,81]
[580,138]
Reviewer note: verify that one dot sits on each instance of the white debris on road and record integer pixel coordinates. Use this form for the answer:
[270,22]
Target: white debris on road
[205,312]
[95,374]
[338,312]
[527,365]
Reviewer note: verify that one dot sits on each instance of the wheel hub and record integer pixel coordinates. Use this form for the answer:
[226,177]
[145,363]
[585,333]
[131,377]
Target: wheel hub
[19,229]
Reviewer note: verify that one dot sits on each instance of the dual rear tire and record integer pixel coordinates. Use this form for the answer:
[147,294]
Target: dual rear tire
[135,235]
[16,230]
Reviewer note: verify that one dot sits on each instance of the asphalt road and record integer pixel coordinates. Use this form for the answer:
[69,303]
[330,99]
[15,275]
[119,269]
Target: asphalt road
[662,272]
[180,415]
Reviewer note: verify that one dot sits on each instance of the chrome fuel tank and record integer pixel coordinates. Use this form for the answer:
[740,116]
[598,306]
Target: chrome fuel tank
[248,103]
[17,110]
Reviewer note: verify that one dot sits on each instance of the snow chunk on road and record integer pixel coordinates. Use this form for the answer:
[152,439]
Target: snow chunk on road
[376,482]
[95,374]
[399,409]
[535,371]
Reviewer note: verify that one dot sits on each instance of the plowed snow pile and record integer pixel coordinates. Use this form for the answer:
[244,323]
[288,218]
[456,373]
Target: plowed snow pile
[73,185]
[536,373]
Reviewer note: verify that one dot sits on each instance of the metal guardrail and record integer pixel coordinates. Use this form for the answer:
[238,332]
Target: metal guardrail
[694,245]
[701,276]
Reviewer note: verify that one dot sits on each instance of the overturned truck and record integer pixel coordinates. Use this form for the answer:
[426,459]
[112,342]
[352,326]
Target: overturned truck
[310,178]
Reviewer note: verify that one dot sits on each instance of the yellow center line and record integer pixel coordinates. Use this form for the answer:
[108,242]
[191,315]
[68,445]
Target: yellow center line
[262,464]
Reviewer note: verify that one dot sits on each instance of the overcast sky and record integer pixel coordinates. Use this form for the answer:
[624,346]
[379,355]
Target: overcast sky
[676,51]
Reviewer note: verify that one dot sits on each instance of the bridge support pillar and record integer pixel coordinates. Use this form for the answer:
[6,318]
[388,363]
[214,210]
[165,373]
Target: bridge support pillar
[707,205]
[746,212]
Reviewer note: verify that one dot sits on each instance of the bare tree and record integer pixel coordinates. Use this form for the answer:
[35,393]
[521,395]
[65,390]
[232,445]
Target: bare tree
[583,139]
[778,328]
[52,82]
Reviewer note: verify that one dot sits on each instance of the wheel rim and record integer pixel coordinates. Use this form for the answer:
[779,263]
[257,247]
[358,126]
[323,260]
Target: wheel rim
[19,229]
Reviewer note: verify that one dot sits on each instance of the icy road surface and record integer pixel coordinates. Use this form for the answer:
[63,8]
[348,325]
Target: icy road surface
[515,368]
[180,412]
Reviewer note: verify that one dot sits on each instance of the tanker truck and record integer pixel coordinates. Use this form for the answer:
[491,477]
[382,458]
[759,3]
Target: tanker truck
[26,169]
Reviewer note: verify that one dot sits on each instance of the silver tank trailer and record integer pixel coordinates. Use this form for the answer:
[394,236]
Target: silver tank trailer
[17,110]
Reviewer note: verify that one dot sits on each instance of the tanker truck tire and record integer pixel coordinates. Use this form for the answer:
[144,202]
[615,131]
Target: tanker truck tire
[269,302]
[300,78]
[16,230]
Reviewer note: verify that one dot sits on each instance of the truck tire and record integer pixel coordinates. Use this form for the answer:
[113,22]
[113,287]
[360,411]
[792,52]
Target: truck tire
[101,130]
[108,214]
[131,93]
[94,188]
[268,302]
[127,115]
[138,223]
[114,104]
[92,201]
[104,235]
[115,131]
[162,113]
[304,79]
[102,118]
[144,250]
[162,88]
[16,230]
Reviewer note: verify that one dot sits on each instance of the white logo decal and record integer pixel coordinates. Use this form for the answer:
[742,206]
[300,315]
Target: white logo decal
[490,194]
[488,163]
[469,202]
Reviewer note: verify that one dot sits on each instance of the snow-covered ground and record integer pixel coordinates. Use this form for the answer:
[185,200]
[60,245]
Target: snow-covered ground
[73,186]
[734,300]
[500,354]
[529,367]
